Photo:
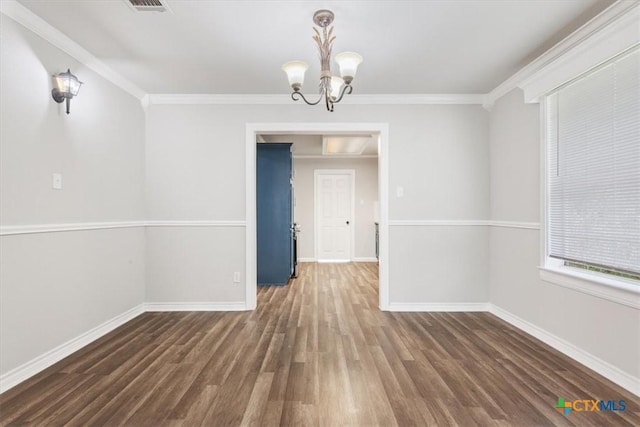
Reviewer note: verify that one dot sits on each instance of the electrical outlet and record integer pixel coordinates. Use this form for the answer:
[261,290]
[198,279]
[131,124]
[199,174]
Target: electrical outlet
[236,277]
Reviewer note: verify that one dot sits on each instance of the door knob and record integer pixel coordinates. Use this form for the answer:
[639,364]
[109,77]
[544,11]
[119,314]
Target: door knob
[347,222]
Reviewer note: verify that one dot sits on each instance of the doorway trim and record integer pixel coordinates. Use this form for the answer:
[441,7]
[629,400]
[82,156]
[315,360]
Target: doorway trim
[316,231]
[251,132]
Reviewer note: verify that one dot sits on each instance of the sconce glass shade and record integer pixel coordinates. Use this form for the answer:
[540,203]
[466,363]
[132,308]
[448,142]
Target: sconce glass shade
[67,84]
[348,62]
[295,73]
[336,84]
[66,87]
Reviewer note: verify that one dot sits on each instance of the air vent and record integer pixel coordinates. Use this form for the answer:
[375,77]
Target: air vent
[148,5]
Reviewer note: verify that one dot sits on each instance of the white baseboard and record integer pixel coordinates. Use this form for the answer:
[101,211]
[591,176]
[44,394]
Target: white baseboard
[605,369]
[40,363]
[357,259]
[194,306]
[438,306]
[34,366]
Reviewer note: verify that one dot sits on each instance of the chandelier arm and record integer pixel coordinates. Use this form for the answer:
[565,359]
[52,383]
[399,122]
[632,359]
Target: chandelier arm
[324,39]
[347,89]
[293,96]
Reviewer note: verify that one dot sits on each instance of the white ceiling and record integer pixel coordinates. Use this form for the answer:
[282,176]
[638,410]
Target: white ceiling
[237,47]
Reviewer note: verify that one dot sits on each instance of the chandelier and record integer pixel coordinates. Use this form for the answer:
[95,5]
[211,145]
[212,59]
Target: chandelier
[332,88]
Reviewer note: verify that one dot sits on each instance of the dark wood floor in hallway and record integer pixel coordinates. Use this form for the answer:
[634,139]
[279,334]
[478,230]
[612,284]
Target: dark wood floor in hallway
[315,353]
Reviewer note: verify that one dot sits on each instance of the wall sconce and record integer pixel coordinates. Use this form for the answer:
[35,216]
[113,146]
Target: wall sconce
[66,87]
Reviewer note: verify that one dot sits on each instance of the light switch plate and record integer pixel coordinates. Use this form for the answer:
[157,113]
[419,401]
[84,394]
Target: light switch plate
[236,277]
[56,181]
[399,191]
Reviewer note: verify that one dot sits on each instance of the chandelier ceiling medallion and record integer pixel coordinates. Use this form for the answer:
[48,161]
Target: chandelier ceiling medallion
[332,88]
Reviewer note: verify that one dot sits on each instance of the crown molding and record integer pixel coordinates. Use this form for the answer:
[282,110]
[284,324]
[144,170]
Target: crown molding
[33,22]
[144,101]
[216,99]
[416,99]
[588,46]
[237,99]
[593,41]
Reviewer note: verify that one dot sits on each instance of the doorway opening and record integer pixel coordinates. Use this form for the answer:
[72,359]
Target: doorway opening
[331,237]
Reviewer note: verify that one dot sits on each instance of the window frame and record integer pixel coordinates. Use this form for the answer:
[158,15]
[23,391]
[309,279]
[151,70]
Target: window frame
[552,270]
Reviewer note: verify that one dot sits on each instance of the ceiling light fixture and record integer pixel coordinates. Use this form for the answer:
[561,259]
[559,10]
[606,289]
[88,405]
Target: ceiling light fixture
[332,88]
[66,87]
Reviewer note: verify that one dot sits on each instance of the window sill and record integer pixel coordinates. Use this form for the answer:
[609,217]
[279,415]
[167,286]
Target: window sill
[621,291]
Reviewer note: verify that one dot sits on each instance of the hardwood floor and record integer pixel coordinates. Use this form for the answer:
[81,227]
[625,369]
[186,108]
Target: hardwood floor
[316,352]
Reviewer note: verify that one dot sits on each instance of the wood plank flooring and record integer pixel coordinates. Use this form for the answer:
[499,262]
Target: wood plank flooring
[315,353]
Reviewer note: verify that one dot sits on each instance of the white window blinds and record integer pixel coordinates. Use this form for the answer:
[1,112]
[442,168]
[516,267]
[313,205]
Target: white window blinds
[593,135]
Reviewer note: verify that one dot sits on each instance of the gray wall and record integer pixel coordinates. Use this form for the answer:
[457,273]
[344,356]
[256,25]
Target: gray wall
[195,163]
[605,329]
[365,195]
[454,163]
[56,286]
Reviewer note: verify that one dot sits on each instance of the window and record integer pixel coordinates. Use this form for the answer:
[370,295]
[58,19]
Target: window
[593,171]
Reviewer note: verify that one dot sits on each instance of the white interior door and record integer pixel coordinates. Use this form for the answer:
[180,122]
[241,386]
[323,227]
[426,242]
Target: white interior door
[334,215]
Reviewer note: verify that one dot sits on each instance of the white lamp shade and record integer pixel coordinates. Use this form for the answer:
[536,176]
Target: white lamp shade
[68,84]
[336,84]
[348,62]
[295,72]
